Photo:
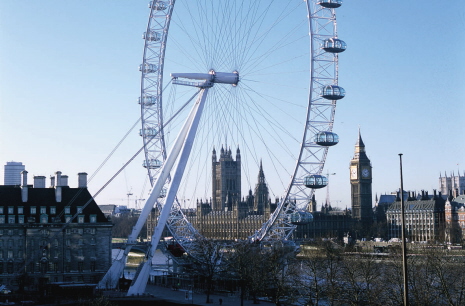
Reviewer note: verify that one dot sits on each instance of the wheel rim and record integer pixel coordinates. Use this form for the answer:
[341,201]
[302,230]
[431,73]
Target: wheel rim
[278,96]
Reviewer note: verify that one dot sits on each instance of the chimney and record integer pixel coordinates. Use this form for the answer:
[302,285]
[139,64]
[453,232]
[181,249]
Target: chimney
[82,180]
[58,187]
[39,181]
[24,186]
[64,180]
[58,178]
[52,181]
[435,196]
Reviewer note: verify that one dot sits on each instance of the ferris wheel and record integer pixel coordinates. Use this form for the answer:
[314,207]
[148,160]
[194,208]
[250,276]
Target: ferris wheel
[259,76]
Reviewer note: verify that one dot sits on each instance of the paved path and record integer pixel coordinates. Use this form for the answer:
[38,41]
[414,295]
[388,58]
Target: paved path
[179,297]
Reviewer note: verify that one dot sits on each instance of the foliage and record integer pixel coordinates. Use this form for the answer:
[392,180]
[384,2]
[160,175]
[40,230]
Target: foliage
[122,226]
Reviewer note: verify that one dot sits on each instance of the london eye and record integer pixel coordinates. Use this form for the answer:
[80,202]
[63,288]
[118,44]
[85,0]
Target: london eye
[259,76]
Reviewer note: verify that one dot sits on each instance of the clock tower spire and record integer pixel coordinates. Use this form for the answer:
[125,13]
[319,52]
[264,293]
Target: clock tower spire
[360,181]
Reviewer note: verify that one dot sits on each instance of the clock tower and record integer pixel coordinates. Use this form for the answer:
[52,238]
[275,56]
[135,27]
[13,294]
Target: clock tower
[360,182]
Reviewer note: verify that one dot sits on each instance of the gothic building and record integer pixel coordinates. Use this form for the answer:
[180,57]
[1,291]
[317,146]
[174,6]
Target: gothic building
[228,215]
[360,181]
[456,183]
[226,180]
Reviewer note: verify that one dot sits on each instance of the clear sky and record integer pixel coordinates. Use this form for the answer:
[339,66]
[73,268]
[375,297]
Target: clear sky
[69,85]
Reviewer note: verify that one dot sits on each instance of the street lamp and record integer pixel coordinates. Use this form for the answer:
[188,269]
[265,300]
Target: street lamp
[404,246]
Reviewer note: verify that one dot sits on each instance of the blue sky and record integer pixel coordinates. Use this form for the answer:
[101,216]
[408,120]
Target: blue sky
[69,85]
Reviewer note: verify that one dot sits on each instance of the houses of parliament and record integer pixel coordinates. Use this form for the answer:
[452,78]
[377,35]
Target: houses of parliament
[229,215]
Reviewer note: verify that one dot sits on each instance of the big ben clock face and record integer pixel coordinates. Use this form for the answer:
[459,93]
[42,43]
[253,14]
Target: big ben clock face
[353,173]
[366,172]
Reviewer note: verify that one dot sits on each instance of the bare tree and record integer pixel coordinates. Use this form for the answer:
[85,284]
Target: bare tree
[362,280]
[246,265]
[282,278]
[207,262]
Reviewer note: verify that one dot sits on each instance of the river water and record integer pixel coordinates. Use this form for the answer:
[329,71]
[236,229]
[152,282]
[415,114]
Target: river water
[159,261]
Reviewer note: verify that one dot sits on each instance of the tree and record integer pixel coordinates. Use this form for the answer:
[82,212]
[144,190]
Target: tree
[362,278]
[122,226]
[282,276]
[207,261]
[245,265]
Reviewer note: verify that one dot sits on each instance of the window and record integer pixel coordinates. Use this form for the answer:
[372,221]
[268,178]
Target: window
[81,219]
[92,231]
[53,210]
[79,209]
[68,218]
[33,210]
[20,210]
[43,210]
[44,218]
[1,243]
[92,241]
[68,242]
[11,210]
[67,210]
[93,218]
[1,209]
[2,219]
[11,219]
[21,219]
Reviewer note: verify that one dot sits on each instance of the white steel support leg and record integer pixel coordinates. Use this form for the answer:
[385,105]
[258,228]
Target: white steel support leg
[110,280]
[139,284]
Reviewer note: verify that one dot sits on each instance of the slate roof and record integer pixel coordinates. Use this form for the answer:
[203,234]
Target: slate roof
[433,204]
[10,196]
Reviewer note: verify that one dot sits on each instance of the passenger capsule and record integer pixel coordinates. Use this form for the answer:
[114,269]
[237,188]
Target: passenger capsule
[151,36]
[152,164]
[157,5]
[147,100]
[330,3]
[315,181]
[301,218]
[148,68]
[332,92]
[326,139]
[334,45]
[148,132]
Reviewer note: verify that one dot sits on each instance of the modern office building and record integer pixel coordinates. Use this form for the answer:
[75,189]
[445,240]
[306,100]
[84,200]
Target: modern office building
[12,173]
